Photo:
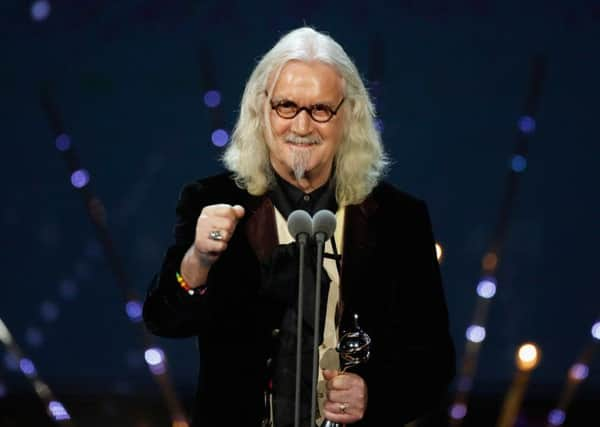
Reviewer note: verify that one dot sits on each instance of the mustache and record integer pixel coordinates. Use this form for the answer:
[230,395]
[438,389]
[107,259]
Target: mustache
[297,139]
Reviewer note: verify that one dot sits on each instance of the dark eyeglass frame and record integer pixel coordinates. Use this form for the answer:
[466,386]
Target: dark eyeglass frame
[332,111]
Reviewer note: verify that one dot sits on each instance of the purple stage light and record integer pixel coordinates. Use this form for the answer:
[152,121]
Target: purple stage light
[458,411]
[80,178]
[133,309]
[40,10]
[158,369]
[34,337]
[58,411]
[579,372]
[556,417]
[220,137]
[49,311]
[63,142]
[212,98]
[526,124]
[518,163]
[26,366]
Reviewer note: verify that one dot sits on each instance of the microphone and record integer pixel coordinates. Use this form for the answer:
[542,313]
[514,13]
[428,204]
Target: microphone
[300,226]
[323,225]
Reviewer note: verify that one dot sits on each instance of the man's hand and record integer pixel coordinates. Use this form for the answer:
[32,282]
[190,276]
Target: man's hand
[214,229]
[346,400]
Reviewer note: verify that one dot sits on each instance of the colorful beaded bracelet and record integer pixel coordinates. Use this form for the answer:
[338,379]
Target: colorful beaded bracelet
[184,285]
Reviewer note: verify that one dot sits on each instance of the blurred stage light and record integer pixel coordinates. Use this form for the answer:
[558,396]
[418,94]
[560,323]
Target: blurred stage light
[40,10]
[526,124]
[2,390]
[63,142]
[490,261]
[154,356]
[596,330]
[212,98]
[220,137]
[528,356]
[439,251]
[579,372]
[11,363]
[133,309]
[58,411]
[49,311]
[518,163]
[486,288]
[80,178]
[27,366]
[458,411]
[556,417]
[464,383]
[475,333]
[34,337]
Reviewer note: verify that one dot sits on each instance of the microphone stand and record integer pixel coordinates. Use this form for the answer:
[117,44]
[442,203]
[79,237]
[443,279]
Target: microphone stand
[320,238]
[302,239]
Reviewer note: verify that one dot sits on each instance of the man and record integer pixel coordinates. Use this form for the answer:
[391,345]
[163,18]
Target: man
[305,139]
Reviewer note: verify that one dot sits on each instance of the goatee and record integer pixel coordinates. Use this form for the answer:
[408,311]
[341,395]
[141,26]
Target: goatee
[300,161]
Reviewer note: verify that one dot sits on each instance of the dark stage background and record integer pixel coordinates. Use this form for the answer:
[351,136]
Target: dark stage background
[128,79]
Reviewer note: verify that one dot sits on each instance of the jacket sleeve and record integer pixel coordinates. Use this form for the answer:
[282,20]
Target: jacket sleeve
[169,311]
[415,363]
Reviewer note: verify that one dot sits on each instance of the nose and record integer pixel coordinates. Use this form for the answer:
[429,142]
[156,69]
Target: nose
[302,124]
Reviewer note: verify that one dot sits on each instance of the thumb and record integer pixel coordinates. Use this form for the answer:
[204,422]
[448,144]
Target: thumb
[239,211]
[329,374]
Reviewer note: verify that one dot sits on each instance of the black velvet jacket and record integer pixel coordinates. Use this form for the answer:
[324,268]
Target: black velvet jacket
[389,276]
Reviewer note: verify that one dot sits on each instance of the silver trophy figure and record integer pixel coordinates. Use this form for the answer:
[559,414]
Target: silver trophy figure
[354,349]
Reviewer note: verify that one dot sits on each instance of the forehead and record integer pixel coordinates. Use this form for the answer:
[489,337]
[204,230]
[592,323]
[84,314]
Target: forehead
[309,81]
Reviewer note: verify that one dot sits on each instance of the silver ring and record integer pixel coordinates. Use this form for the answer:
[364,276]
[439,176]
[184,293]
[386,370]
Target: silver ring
[215,235]
[343,407]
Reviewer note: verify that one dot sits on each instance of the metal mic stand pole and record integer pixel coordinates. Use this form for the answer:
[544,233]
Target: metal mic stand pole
[320,239]
[302,238]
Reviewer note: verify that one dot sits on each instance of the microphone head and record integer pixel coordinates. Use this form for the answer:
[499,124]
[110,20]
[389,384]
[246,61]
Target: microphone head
[324,222]
[300,222]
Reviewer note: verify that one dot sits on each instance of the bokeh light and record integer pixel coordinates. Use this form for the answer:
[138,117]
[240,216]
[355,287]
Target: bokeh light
[154,356]
[49,311]
[212,98]
[596,330]
[34,337]
[220,137]
[526,124]
[518,163]
[133,309]
[528,356]
[40,10]
[439,251]
[475,333]
[458,411]
[27,366]
[63,142]
[486,288]
[58,411]
[80,178]
[579,372]
[556,417]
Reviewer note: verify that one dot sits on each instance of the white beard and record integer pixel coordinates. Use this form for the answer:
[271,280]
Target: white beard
[300,160]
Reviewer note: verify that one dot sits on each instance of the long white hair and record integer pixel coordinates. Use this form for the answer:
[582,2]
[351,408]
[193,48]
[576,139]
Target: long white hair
[360,160]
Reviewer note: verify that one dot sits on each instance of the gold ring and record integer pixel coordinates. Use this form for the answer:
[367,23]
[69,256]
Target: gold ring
[343,407]
[215,235]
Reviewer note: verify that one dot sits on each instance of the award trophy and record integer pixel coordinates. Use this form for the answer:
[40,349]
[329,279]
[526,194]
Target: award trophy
[354,349]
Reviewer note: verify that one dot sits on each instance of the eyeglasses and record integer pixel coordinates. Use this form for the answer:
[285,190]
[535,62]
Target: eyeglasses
[320,113]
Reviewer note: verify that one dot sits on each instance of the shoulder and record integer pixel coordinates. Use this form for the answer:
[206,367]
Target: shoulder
[388,196]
